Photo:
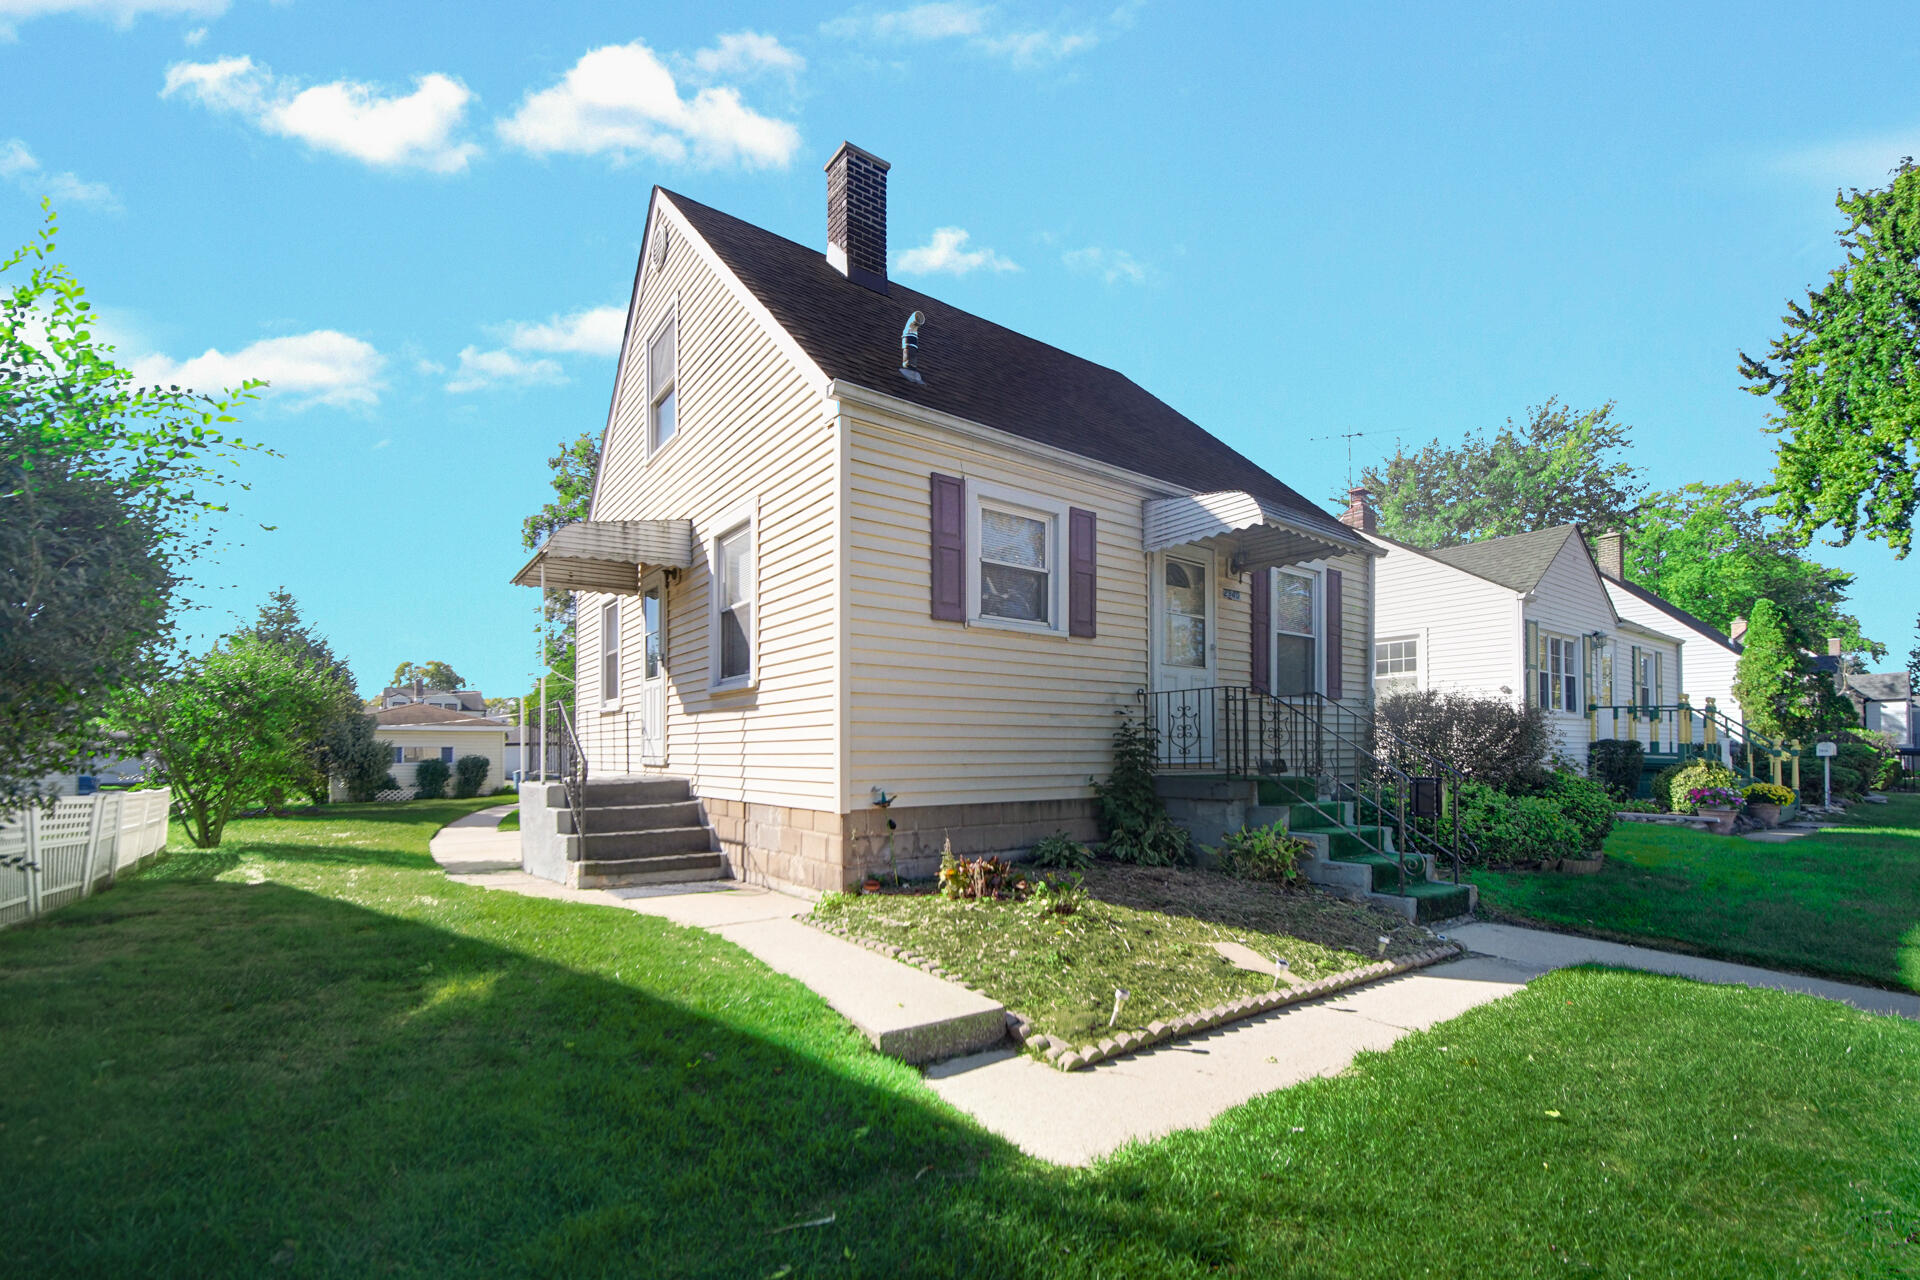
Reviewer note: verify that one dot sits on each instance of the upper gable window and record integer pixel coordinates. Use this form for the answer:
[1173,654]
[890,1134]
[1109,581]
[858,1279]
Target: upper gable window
[661,400]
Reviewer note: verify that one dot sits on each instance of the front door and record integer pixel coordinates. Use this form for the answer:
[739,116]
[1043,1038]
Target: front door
[1183,656]
[653,673]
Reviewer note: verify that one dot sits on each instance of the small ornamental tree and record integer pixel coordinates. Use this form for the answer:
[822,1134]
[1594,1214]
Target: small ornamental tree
[355,756]
[229,728]
[1782,694]
[430,779]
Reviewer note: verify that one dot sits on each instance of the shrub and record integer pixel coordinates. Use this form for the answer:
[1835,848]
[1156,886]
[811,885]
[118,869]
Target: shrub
[1693,776]
[1490,740]
[1767,793]
[1263,853]
[430,779]
[973,877]
[469,774]
[1062,851]
[1616,764]
[1508,829]
[1582,801]
[1663,786]
[1132,813]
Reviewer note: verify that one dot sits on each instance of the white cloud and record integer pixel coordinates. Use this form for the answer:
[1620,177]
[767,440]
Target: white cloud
[119,12]
[193,38]
[1852,162]
[981,27]
[595,331]
[19,166]
[621,101]
[322,367]
[483,370]
[746,54]
[1111,265]
[947,254]
[346,117]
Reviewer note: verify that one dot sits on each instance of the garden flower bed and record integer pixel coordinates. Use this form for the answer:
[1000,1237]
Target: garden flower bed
[1151,933]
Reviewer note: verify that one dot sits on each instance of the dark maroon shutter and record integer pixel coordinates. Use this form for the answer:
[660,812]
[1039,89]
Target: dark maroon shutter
[1262,630]
[1336,687]
[949,501]
[1082,572]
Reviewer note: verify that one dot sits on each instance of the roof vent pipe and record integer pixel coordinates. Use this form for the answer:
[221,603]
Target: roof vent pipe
[910,345]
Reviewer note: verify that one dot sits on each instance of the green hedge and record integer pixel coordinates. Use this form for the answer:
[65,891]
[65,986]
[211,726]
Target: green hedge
[1509,829]
[430,779]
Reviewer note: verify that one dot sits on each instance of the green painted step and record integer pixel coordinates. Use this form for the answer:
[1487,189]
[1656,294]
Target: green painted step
[1285,790]
[1433,900]
[1323,816]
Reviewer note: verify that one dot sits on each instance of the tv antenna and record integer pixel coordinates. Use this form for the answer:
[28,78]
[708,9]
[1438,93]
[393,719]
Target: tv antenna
[1349,437]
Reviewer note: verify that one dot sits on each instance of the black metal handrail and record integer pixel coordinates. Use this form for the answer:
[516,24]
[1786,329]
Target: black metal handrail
[573,774]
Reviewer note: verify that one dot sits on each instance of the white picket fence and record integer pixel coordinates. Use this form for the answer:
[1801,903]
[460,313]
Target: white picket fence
[50,857]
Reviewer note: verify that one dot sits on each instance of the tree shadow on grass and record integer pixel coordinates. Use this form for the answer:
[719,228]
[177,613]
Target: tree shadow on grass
[227,1078]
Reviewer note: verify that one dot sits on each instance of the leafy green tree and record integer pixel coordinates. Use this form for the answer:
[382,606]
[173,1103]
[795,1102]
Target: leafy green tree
[342,739]
[1845,378]
[1781,692]
[230,728]
[104,501]
[1713,550]
[1913,663]
[434,675]
[574,468]
[1562,467]
[351,751]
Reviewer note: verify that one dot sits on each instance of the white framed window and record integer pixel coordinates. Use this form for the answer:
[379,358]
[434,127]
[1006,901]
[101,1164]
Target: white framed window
[1559,674]
[732,638]
[1296,632]
[1396,664]
[414,755]
[610,654]
[1016,559]
[662,370]
[1186,599]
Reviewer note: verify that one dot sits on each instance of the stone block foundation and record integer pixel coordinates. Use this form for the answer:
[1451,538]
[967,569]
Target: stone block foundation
[816,851]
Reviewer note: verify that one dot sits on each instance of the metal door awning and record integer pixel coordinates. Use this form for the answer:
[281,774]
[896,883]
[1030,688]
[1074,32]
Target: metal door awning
[1262,534]
[608,555]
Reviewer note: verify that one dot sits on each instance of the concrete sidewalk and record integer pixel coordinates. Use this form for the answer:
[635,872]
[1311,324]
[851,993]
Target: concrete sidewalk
[905,1013]
[1077,1117]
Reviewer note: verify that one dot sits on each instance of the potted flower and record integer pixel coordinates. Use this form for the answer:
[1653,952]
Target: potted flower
[1722,804]
[1764,800]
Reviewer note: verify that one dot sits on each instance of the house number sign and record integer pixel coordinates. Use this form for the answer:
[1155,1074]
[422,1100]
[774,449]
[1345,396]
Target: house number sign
[1230,593]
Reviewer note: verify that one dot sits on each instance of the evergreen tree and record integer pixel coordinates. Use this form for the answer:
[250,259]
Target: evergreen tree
[1781,692]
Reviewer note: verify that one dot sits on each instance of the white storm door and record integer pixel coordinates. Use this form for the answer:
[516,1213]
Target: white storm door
[1183,656]
[653,672]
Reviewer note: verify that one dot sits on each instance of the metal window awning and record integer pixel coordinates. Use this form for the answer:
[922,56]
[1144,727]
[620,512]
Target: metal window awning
[608,555]
[1262,535]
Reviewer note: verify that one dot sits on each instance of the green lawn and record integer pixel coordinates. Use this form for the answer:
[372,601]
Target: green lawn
[1844,902]
[1060,971]
[309,1054]
[511,822]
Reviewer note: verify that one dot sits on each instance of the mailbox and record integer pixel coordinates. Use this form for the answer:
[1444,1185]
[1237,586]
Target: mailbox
[1426,797]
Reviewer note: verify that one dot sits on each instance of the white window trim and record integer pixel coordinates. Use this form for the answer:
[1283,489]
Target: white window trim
[1029,504]
[1572,667]
[619,657]
[1313,569]
[670,316]
[1158,622]
[1419,642]
[747,515]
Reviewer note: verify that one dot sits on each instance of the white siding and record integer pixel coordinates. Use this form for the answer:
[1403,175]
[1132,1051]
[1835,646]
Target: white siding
[753,427]
[1709,665]
[1468,628]
[491,743]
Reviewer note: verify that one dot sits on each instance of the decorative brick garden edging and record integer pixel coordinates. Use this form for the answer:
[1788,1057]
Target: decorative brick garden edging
[1056,1052]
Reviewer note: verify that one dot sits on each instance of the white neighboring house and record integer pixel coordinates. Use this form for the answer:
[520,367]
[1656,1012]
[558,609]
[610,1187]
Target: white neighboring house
[1710,656]
[1527,616]
[1885,702]
[468,701]
[418,731]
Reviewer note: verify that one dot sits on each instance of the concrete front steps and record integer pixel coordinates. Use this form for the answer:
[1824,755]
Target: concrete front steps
[640,830]
[1344,860]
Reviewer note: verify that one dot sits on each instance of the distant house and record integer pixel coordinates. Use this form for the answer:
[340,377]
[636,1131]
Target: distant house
[1884,700]
[1527,617]
[420,731]
[470,701]
[1709,656]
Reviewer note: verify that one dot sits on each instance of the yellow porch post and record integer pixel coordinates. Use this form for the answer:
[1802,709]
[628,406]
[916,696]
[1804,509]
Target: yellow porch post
[1796,767]
[1593,723]
[1776,768]
[1686,719]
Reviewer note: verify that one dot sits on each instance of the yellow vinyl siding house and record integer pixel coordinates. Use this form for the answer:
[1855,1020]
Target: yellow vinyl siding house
[841,598]
[418,731]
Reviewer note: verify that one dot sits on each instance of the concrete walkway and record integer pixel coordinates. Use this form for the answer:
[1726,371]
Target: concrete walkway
[905,1013]
[1077,1117]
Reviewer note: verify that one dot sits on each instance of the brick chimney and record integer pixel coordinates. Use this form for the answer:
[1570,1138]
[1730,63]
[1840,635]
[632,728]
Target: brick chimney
[1738,631]
[1359,512]
[857,216]
[1836,647]
[1611,555]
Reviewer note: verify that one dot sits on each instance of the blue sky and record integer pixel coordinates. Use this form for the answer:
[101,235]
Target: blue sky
[1287,221]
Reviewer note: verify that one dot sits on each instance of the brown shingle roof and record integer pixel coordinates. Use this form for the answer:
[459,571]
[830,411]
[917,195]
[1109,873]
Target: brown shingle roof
[419,713]
[983,372]
[1515,562]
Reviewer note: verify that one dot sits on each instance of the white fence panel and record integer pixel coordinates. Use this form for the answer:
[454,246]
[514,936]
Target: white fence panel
[50,857]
